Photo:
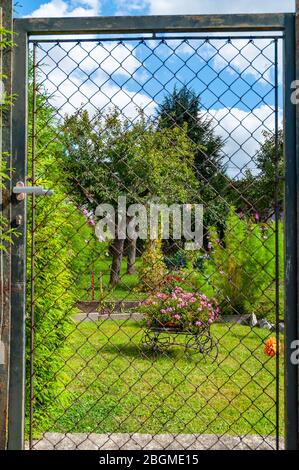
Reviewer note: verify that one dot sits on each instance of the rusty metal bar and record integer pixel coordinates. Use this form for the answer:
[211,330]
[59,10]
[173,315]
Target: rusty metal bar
[32,273]
[18,294]
[291,254]
[148,24]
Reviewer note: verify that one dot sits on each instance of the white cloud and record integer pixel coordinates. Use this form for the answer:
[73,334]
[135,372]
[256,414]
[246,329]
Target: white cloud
[86,75]
[124,7]
[242,132]
[89,58]
[72,94]
[170,7]
[255,58]
[62,8]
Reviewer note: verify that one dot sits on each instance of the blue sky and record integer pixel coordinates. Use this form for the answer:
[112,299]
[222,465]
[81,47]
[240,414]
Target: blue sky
[138,7]
[235,80]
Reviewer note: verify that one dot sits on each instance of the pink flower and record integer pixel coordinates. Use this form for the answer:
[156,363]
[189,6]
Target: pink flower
[85,212]
[177,316]
[177,290]
[91,222]
[161,295]
[198,323]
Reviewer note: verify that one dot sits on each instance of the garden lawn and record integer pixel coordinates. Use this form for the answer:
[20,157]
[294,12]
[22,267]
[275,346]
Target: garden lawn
[111,385]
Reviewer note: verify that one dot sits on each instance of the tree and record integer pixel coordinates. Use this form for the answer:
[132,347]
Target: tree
[256,193]
[107,157]
[183,107]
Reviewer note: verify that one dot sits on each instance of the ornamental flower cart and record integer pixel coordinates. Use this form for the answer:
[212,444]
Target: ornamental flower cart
[169,316]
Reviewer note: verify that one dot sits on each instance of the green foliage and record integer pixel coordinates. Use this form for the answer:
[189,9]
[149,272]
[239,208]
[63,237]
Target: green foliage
[153,269]
[241,267]
[256,192]
[6,38]
[6,233]
[109,157]
[198,263]
[177,261]
[182,108]
[54,281]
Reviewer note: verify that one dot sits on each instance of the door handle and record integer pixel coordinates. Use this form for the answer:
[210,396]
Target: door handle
[21,190]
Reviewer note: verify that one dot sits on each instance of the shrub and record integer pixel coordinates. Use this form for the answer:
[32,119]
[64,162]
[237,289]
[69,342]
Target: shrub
[54,296]
[187,311]
[241,268]
[177,261]
[199,263]
[169,283]
[153,269]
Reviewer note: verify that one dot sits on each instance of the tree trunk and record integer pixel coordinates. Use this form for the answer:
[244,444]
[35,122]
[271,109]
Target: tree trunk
[131,250]
[117,249]
[131,256]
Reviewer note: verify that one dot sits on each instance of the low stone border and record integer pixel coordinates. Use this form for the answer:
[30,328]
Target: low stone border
[137,441]
[114,305]
[246,320]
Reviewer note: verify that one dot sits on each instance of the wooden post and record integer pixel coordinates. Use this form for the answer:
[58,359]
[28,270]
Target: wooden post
[5,256]
[92,285]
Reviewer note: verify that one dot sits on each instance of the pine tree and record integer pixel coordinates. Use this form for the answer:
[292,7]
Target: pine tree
[183,107]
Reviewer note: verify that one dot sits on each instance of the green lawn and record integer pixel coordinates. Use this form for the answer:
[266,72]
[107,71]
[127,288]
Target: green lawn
[111,385]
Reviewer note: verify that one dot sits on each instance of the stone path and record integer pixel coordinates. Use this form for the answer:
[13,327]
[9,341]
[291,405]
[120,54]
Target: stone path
[96,316]
[59,441]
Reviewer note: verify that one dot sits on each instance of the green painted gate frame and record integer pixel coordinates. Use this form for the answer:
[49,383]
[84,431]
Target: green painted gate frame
[24,28]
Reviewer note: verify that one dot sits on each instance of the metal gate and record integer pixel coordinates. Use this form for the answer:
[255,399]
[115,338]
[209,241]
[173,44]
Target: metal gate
[146,344]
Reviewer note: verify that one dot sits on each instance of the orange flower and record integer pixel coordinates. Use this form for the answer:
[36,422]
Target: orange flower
[271,347]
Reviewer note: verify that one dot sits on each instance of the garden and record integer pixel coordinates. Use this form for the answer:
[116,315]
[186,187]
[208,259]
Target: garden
[128,370]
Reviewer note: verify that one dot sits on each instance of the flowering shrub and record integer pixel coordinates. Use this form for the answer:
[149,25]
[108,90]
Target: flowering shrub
[169,283]
[181,310]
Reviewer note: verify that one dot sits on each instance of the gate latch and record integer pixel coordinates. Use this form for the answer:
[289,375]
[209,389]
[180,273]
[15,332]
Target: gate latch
[21,190]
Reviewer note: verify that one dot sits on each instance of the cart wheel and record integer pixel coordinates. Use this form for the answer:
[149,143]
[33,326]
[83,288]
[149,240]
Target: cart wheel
[202,346]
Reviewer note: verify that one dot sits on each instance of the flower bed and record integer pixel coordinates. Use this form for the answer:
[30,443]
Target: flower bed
[184,311]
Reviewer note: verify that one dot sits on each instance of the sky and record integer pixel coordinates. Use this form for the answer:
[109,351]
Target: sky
[145,7]
[235,80]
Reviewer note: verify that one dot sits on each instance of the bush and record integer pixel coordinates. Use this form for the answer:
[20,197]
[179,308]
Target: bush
[177,261]
[153,269]
[241,268]
[199,263]
[54,296]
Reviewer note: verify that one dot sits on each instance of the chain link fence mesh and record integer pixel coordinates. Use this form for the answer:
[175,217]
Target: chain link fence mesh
[179,120]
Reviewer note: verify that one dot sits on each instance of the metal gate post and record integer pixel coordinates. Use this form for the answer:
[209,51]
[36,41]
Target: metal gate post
[291,118]
[18,261]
